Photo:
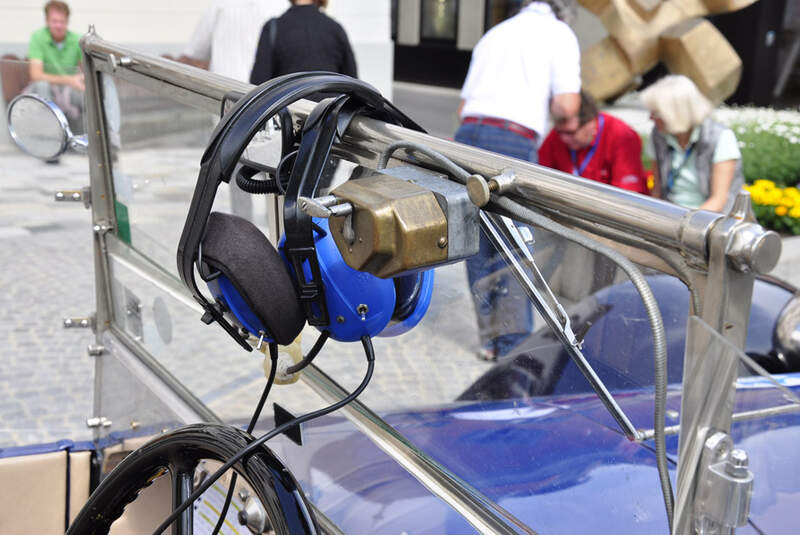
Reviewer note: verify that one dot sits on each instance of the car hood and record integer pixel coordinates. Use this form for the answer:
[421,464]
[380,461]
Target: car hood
[559,465]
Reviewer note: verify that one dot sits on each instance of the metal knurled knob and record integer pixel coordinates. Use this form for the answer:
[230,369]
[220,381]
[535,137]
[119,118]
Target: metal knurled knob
[479,191]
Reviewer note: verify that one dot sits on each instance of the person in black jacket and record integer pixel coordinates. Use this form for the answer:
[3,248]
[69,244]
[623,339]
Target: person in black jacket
[302,39]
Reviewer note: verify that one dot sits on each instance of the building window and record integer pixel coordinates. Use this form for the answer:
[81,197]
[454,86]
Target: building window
[439,20]
[499,10]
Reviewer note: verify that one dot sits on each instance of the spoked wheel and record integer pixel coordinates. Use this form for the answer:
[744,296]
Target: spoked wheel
[179,453]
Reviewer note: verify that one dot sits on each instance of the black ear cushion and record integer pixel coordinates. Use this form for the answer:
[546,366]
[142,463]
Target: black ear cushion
[407,289]
[235,247]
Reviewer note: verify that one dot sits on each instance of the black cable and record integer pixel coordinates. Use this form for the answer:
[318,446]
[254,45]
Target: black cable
[323,337]
[273,355]
[279,169]
[245,181]
[370,354]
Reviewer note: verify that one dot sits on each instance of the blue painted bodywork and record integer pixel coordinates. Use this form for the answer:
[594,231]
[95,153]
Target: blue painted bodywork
[559,465]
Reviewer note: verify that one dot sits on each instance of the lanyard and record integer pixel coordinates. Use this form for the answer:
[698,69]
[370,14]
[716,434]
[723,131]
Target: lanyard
[673,172]
[578,170]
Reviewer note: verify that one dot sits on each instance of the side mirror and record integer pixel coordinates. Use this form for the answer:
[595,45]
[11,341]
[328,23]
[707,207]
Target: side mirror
[39,128]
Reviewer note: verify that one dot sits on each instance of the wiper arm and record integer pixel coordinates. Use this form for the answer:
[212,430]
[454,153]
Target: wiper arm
[500,230]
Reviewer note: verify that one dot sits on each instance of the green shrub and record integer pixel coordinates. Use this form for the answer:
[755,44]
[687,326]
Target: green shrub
[769,141]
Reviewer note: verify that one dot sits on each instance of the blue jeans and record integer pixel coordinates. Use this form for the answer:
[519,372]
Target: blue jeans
[503,310]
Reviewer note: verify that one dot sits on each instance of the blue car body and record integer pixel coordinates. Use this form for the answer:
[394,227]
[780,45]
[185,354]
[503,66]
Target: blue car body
[551,455]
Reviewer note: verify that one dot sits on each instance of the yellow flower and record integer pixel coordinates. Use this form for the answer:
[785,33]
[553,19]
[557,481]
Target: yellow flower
[788,202]
[795,212]
[781,211]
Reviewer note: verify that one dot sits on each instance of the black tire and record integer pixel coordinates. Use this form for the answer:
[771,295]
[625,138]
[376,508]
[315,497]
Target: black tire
[179,452]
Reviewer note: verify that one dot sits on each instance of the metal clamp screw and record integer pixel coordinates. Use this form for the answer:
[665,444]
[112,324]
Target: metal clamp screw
[325,207]
[479,190]
[95,350]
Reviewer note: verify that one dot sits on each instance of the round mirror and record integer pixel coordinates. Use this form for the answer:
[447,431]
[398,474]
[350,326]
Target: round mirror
[38,127]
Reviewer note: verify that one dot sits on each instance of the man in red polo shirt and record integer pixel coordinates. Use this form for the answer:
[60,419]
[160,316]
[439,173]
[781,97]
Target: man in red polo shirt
[601,148]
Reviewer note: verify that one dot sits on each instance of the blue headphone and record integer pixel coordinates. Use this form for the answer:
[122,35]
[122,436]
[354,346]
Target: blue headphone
[273,293]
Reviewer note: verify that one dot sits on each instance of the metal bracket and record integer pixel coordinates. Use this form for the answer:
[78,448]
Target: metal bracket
[724,487]
[133,313]
[79,323]
[95,350]
[97,422]
[101,227]
[75,195]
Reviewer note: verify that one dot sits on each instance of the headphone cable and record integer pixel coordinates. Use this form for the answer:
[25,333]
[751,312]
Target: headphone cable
[321,339]
[273,355]
[369,351]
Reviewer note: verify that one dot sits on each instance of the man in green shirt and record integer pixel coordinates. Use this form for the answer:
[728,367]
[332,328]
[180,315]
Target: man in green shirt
[54,55]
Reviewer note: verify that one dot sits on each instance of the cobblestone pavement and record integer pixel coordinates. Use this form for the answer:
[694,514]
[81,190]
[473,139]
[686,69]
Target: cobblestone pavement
[46,274]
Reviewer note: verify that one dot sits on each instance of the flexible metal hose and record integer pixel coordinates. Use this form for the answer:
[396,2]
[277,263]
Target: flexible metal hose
[528,216]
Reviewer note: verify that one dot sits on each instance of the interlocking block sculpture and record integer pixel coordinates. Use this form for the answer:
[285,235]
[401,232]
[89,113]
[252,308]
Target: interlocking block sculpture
[644,32]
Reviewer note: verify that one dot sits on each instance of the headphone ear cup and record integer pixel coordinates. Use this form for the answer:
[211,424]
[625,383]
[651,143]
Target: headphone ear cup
[412,298]
[359,304]
[254,282]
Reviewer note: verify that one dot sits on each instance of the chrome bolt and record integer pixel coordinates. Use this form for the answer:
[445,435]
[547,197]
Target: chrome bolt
[442,243]
[736,464]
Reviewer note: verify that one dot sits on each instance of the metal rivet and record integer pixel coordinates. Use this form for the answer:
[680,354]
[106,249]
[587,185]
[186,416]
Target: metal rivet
[442,243]
[340,319]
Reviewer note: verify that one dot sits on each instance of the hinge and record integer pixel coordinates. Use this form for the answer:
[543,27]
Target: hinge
[75,195]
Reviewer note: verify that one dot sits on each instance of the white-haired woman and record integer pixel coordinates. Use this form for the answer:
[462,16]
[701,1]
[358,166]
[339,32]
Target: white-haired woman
[698,162]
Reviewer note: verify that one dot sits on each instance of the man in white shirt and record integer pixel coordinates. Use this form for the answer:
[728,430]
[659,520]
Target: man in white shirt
[227,35]
[520,70]
[226,38]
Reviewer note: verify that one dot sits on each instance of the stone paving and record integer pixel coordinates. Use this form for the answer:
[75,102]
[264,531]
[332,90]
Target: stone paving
[46,274]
